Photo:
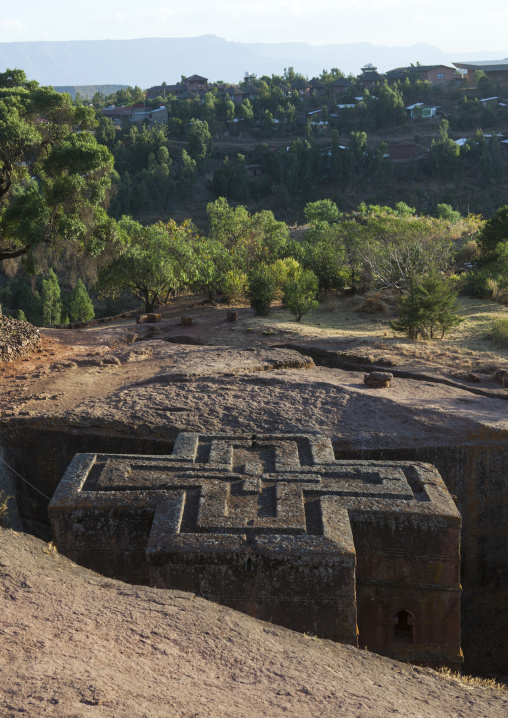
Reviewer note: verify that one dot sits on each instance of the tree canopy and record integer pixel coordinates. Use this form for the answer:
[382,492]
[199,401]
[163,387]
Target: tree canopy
[54,176]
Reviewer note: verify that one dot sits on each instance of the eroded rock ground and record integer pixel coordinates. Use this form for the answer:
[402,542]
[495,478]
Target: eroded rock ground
[75,644]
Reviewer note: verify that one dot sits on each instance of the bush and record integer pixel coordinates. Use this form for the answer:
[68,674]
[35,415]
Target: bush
[20,316]
[234,286]
[429,306]
[445,211]
[477,284]
[499,332]
[468,252]
[283,271]
[300,294]
[262,289]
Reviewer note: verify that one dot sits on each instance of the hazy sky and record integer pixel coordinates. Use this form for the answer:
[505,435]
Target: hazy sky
[451,25]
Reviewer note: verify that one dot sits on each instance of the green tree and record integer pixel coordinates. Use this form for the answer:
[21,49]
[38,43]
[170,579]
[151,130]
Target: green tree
[444,154]
[262,289]
[51,302]
[250,238]
[300,294]
[324,210]
[215,261]
[80,306]
[54,176]
[152,262]
[200,142]
[105,132]
[494,231]
[187,175]
[429,306]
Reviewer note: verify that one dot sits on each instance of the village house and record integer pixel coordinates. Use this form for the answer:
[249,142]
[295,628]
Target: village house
[435,74]
[340,86]
[317,87]
[138,113]
[250,92]
[370,76]
[233,93]
[302,87]
[419,110]
[494,69]
[157,116]
[286,91]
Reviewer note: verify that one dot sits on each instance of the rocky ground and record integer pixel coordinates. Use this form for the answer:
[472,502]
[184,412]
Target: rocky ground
[76,644]
[164,378]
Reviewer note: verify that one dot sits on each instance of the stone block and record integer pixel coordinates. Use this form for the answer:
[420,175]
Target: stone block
[378,379]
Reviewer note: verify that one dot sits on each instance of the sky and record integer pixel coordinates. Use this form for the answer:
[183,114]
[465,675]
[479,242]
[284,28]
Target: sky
[451,25]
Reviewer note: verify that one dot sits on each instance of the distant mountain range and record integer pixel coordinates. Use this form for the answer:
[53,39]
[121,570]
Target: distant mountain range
[151,61]
[88,91]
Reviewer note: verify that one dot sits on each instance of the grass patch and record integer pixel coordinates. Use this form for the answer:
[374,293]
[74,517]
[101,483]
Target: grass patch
[466,348]
[499,332]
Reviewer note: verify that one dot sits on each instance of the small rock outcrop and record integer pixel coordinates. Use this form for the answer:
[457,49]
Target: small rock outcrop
[17,338]
[378,379]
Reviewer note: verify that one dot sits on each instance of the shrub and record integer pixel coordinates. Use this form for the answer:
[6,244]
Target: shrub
[429,306]
[284,270]
[468,252]
[234,286]
[445,211]
[262,289]
[330,302]
[477,284]
[20,316]
[499,332]
[300,294]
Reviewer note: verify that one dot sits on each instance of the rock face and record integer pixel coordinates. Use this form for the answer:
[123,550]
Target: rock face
[275,527]
[17,338]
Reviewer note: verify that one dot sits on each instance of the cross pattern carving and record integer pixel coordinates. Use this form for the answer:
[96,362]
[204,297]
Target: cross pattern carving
[286,485]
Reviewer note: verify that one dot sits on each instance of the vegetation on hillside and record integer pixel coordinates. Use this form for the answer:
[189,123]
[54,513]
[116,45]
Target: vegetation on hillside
[71,204]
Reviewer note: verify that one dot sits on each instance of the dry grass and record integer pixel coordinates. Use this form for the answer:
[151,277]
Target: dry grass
[381,302]
[467,348]
[472,680]
[499,332]
[4,509]
[330,302]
